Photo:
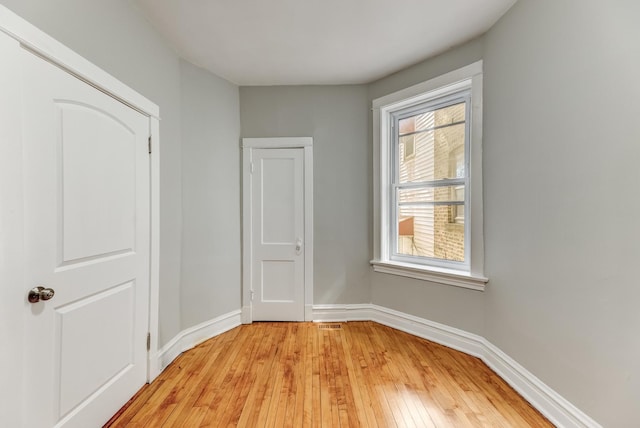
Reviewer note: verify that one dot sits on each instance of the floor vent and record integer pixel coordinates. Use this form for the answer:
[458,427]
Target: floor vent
[330,326]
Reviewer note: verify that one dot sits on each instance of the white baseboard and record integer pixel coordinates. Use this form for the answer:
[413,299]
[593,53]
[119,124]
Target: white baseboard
[195,335]
[551,404]
[451,337]
[342,312]
[557,409]
[247,315]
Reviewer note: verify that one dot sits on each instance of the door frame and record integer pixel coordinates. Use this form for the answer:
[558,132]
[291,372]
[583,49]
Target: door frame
[248,144]
[23,35]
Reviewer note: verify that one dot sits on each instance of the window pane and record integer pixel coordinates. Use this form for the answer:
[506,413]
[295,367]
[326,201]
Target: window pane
[430,231]
[431,194]
[431,145]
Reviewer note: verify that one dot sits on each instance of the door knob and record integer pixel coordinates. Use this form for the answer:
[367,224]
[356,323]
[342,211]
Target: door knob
[40,293]
[298,246]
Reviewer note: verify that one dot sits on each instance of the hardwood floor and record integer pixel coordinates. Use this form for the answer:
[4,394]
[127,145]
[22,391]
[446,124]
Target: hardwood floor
[361,374]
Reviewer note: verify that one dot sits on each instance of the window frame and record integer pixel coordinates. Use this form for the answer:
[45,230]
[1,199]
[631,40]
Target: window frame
[386,151]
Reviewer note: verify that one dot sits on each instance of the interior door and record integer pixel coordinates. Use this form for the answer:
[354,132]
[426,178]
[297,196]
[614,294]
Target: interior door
[86,192]
[277,234]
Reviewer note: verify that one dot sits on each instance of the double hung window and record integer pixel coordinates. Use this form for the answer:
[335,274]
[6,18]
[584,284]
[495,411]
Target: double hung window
[428,188]
[428,191]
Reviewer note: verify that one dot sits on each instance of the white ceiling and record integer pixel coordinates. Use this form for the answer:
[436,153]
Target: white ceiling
[294,42]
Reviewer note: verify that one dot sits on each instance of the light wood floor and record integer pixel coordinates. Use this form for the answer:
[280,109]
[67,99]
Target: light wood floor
[303,375]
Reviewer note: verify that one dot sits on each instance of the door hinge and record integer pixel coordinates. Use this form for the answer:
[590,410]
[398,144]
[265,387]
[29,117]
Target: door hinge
[252,293]
[148,341]
[251,167]
[149,144]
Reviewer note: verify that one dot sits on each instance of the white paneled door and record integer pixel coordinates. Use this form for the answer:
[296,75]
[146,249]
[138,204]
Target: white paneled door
[277,234]
[86,196]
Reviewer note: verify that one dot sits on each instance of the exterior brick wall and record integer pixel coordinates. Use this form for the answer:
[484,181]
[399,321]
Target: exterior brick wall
[448,147]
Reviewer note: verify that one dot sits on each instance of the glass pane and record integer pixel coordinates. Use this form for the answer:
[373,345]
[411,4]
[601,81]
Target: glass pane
[431,231]
[431,145]
[431,194]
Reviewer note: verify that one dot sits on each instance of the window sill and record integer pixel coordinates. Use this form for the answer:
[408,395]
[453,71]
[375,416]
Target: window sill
[432,274]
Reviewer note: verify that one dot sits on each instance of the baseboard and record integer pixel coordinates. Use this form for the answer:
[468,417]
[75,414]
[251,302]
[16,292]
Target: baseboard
[551,404]
[195,335]
[457,339]
[334,313]
[247,316]
[557,409]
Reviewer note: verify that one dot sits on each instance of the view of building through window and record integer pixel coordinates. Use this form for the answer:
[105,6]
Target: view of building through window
[431,183]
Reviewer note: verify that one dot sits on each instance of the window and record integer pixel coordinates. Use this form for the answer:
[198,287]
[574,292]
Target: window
[408,149]
[428,184]
[429,187]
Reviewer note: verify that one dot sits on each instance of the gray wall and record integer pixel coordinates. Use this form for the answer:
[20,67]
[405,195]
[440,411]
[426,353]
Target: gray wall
[336,118]
[211,255]
[116,37]
[561,151]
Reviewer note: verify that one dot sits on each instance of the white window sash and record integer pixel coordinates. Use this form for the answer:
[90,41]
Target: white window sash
[459,95]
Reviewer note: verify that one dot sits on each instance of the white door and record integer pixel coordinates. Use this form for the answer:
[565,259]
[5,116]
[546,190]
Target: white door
[277,237]
[86,191]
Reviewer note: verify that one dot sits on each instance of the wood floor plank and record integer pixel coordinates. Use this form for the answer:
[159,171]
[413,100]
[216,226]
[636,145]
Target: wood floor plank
[303,377]
[257,396]
[328,400]
[269,379]
[406,372]
[316,393]
[205,373]
[282,375]
[359,374]
[225,407]
[360,401]
[392,390]
[367,377]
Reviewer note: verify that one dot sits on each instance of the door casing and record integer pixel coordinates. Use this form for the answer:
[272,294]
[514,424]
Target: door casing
[248,144]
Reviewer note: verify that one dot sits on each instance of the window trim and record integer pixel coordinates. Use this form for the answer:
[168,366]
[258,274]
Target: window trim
[469,77]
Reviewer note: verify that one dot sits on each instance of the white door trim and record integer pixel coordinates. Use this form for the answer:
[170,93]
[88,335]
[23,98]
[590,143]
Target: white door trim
[31,38]
[153,368]
[248,144]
